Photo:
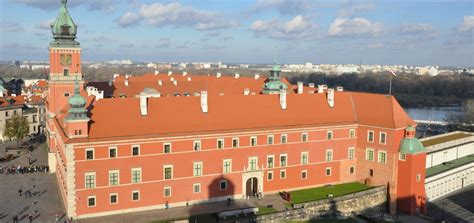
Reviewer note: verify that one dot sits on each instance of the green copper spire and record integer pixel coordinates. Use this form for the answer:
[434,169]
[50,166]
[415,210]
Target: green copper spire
[410,144]
[76,105]
[64,29]
[274,84]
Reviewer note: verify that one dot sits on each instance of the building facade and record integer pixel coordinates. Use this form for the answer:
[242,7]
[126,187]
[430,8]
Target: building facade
[181,139]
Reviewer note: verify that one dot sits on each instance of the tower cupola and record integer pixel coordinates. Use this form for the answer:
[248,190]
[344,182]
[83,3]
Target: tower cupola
[274,85]
[410,144]
[64,29]
[76,105]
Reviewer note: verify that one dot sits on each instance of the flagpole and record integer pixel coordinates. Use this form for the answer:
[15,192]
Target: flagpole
[390,88]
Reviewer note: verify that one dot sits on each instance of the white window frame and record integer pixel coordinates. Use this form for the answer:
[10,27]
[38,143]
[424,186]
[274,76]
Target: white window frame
[281,138]
[368,136]
[136,146]
[110,198]
[268,174]
[116,151]
[195,164]
[331,152]
[230,165]
[93,154]
[273,161]
[256,162]
[306,174]
[197,142]
[307,158]
[352,133]
[256,141]
[367,154]
[131,175]
[283,171]
[226,185]
[379,155]
[238,142]
[194,188]
[164,171]
[139,197]
[380,138]
[217,144]
[286,159]
[402,156]
[118,177]
[95,201]
[270,137]
[326,171]
[351,153]
[303,136]
[164,191]
[85,180]
[329,133]
[164,147]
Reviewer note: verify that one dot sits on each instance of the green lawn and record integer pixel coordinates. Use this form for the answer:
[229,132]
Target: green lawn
[318,193]
[264,210]
[454,163]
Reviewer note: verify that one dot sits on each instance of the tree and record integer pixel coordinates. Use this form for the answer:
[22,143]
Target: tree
[463,121]
[16,128]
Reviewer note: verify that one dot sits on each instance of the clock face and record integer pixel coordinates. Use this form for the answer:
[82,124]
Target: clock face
[65,59]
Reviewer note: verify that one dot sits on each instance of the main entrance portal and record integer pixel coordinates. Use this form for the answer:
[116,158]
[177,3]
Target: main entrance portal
[252,186]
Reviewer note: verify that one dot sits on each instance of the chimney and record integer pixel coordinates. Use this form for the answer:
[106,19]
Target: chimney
[283,99]
[160,82]
[185,73]
[170,72]
[257,76]
[204,101]
[300,87]
[330,96]
[339,88]
[189,78]
[143,105]
[320,89]
[156,72]
[126,80]
[116,75]
[237,76]
[175,82]
[311,85]
[172,79]
[246,91]
[218,75]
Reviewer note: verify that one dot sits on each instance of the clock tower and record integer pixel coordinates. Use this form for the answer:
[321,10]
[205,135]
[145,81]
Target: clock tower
[65,61]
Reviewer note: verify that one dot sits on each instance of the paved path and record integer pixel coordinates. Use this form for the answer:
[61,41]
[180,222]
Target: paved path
[44,205]
[458,207]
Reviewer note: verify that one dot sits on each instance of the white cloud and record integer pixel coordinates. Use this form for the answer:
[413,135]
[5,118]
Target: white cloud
[101,5]
[45,24]
[350,9]
[354,27]
[298,27]
[175,14]
[467,25]
[284,7]
[418,31]
[11,27]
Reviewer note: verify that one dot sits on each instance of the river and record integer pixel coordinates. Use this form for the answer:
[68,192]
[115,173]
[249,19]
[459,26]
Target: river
[433,114]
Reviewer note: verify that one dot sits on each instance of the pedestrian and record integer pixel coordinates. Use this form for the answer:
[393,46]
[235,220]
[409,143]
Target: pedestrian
[167,205]
[56,218]
[20,191]
[15,219]
[30,217]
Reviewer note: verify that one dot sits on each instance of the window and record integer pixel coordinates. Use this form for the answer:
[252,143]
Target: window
[418,177]
[220,143]
[371,172]
[136,175]
[66,72]
[114,178]
[168,172]
[284,138]
[135,150]
[167,191]
[304,137]
[282,174]
[89,154]
[352,133]
[135,195]
[328,155]
[66,94]
[197,145]
[253,163]
[351,153]
[328,171]
[304,174]
[235,142]
[197,188]
[6,113]
[227,166]
[329,134]
[76,132]
[270,161]
[304,158]
[283,158]
[197,167]
[270,139]
[167,148]
[223,184]
[352,170]
[382,157]
[90,180]
[369,154]
[253,141]
[270,175]
[370,136]
[383,138]
[402,156]
[14,112]
[91,201]
[112,152]
[113,198]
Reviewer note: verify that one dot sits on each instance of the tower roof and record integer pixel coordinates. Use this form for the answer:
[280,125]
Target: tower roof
[64,29]
[77,101]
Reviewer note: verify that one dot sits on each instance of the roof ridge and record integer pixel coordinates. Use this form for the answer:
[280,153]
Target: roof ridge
[391,109]
[353,108]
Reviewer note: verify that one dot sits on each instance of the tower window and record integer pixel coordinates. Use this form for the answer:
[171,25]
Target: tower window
[64,30]
[66,72]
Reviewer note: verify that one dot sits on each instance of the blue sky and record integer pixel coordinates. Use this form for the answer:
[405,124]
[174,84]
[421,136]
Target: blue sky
[244,31]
